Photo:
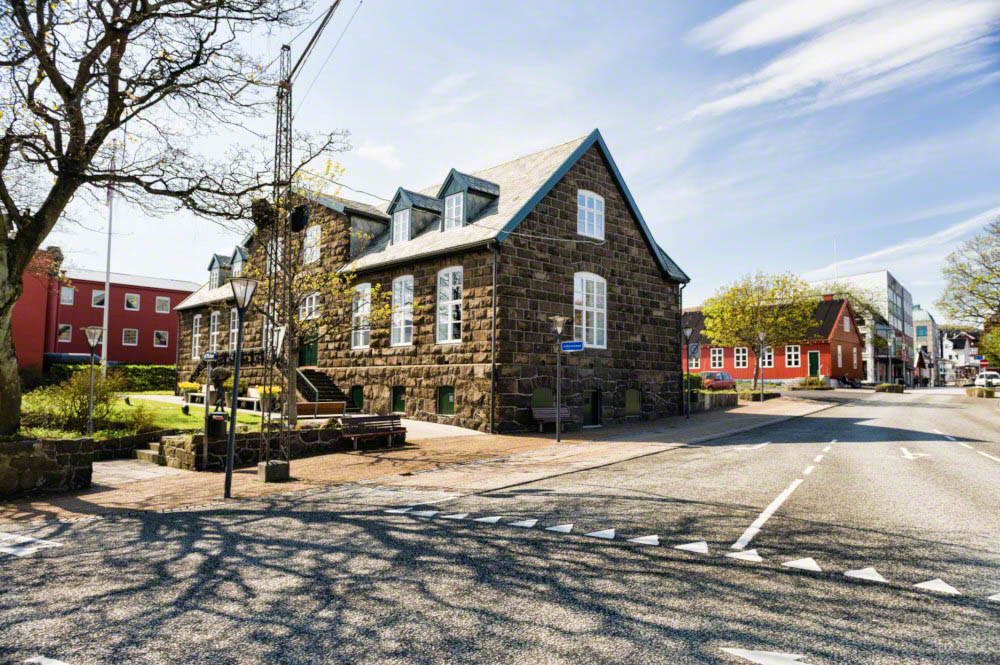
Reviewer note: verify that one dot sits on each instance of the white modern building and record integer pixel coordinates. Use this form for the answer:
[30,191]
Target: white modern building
[927,338]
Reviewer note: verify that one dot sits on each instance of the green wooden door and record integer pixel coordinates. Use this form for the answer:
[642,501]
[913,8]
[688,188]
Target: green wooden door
[591,408]
[446,401]
[358,396]
[398,399]
[814,363]
[309,354]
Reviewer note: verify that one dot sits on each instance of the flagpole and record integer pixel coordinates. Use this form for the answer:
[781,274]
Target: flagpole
[107,279]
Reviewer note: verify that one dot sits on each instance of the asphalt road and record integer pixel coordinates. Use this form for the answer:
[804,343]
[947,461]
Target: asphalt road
[902,484]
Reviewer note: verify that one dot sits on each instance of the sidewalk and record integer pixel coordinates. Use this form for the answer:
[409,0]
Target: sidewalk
[524,457]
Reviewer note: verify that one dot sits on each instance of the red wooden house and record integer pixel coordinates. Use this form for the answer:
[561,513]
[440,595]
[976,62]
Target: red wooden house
[832,348]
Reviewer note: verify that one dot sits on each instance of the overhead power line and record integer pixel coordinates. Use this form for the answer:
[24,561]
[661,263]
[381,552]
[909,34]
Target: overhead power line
[328,56]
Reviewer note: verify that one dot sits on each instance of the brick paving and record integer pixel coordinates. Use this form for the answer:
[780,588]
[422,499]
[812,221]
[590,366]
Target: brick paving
[192,489]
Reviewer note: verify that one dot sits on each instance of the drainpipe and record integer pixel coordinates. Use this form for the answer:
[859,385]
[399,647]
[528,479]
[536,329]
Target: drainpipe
[493,342]
[685,388]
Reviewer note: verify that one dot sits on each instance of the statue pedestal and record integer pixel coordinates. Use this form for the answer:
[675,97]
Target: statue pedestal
[274,471]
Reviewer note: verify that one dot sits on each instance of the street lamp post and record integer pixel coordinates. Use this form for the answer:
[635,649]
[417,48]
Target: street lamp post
[687,371]
[557,326]
[760,361]
[94,334]
[243,290]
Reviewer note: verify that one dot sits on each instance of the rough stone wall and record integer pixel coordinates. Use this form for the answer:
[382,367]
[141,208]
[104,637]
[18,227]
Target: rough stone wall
[124,447]
[536,282]
[188,451]
[45,465]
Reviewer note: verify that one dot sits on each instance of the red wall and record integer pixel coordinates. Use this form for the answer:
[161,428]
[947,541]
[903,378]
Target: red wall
[29,320]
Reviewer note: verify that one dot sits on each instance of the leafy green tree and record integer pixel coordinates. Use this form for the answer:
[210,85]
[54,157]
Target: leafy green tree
[989,346]
[972,279]
[781,306]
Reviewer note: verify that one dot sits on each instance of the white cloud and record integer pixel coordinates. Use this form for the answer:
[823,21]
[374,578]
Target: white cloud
[863,55]
[381,154]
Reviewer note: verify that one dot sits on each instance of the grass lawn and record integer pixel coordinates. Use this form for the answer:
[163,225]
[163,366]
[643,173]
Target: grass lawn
[170,416]
[152,392]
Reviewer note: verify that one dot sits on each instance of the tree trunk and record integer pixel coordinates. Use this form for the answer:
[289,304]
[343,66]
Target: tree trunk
[756,371]
[291,394]
[10,384]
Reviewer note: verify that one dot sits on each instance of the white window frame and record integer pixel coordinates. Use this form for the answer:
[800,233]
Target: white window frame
[741,357]
[361,307]
[454,211]
[270,333]
[274,249]
[847,323]
[445,327]
[138,305]
[590,310]
[311,243]
[694,362]
[213,332]
[717,358]
[234,328]
[162,310]
[166,338]
[400,221]
[309,308]
[589,214]
[767,361]
[793,351]
[63,290]
[59,339]
[196,336]
[215,278]
[93,297]
[236,265]
[128,330]
[854,353]
[402,311]
[840,356]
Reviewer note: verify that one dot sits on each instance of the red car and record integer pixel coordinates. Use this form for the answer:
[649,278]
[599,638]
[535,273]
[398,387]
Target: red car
[718,381]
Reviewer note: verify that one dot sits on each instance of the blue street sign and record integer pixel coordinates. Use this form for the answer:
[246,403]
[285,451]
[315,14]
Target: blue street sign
[572,346]
[210,356]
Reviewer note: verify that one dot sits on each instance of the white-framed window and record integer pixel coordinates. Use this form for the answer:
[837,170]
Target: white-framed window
[741,357]
[161,338]
[847,324]
[215,278]
[271,334]
[213,332]
[162,305]
[590,310]
[717,358]
[66,294]
[454,211]
[234,327]
[361,309]
[589,214]
[854,353]
[449,305]
[274,249]
[309,309]
[310,244]
[793,355]
[236,267]
[402,311]
[97,298]
[132,301]
[65,332]
[840,356]
[401,226]
[196,336]
[767,361]
[694,362]
[130,337]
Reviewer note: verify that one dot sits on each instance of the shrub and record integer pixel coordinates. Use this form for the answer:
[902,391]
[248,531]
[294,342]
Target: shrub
[754,395]
[31,379]
[188,386]
[228,385]
[811,382]
[274,391]
[697,381]
[135,377]
[66,405]
[988,393]
[139,420]
[888,388]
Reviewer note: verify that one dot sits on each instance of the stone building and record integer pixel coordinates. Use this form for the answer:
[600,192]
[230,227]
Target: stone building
[477,266]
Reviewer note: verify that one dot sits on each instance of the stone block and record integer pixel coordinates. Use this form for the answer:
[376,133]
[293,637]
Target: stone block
[273,471]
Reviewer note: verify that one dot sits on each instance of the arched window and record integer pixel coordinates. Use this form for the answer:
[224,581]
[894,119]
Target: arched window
[449,306]
[590,310]
[589,214]
[402,311]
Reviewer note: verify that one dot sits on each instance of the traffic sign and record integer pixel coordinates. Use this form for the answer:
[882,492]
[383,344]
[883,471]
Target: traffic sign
[210,356]
[694,350]
[572,346]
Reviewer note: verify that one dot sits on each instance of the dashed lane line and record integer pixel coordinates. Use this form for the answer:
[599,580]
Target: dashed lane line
[808,469]
[754,528]
[818,459]
[995,459]
[966,445]
[827,449]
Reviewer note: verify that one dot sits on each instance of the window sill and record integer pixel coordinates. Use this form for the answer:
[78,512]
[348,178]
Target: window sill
[401,346]
[455,341]
[587,235]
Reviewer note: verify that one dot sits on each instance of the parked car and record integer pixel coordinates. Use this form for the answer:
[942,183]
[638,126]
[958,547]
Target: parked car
[988,380]
[718,381]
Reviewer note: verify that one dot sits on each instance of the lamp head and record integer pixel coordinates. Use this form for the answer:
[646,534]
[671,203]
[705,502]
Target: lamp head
[687,332]
[243,290]
[558,322]
[93,334]
[761,336]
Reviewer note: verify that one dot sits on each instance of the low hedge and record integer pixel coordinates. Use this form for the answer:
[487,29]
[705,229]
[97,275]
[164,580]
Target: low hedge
[810,387]
[988,393]
[754,396]
[889,388]
[136,377]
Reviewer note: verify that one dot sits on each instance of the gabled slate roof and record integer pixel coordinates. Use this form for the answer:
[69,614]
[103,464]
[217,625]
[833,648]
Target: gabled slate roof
[221,259]
[826,315]
[470,181]
[346,205]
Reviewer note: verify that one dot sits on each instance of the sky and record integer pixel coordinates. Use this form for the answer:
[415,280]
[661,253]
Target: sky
[819,138]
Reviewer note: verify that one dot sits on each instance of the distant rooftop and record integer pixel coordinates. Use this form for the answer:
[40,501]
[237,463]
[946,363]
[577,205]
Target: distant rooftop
[122,279]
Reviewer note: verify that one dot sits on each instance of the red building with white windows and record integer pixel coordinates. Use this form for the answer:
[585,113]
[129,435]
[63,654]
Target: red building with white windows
[832,348]
[57,304]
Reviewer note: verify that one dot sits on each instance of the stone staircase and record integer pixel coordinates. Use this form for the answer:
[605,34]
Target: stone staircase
[172,450]
[328,390]
[154,455]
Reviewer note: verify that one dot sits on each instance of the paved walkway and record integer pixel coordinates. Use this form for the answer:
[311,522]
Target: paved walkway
[395,466]
[112,473]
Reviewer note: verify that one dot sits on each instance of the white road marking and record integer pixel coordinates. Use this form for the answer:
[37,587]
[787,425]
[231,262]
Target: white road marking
[425,513]
[938,585]
[804,564]
[866,574]
[560,528]
[966,445]
[18,545]
[701,547]
[646,540]
[759,445]
[950,438]
[455,516]
[488,520]
[808,470]
[748,555]
[607,534]
[400,510]
[833,441]
[913,456]
[767,657]
[526,524]
[995,459]
[42,660]
[937,431]
[995,597]
[754,528]
[827,449]
[818,459]
[429,503]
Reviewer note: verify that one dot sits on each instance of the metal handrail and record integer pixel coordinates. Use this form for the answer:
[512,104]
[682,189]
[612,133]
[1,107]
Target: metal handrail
[308,383]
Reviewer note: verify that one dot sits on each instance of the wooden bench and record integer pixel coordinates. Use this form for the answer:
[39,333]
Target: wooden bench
[252,398]
[547,414]
[364,427]
[315,409]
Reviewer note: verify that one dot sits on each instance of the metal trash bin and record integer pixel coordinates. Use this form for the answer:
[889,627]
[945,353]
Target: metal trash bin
[217,422]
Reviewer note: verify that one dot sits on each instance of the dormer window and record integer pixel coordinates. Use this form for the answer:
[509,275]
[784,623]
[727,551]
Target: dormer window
[401,226]
[215,279]
[237,265]
[454,216]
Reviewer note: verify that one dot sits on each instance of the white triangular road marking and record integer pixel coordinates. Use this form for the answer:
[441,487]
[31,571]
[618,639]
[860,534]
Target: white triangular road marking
[607,534]
[646,540]
[866,574]
[804,564]
[701,547]
[995,597]
[527,524]
[399,510]
[749,555]
[425,513]
[42,660]
[560,528]
[768,657]
[939,585]
[455,516]
[488,520]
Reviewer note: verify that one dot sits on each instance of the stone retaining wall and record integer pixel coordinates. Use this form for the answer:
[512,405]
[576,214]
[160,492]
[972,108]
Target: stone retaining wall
[188,451]
[125,447]
[45,465]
